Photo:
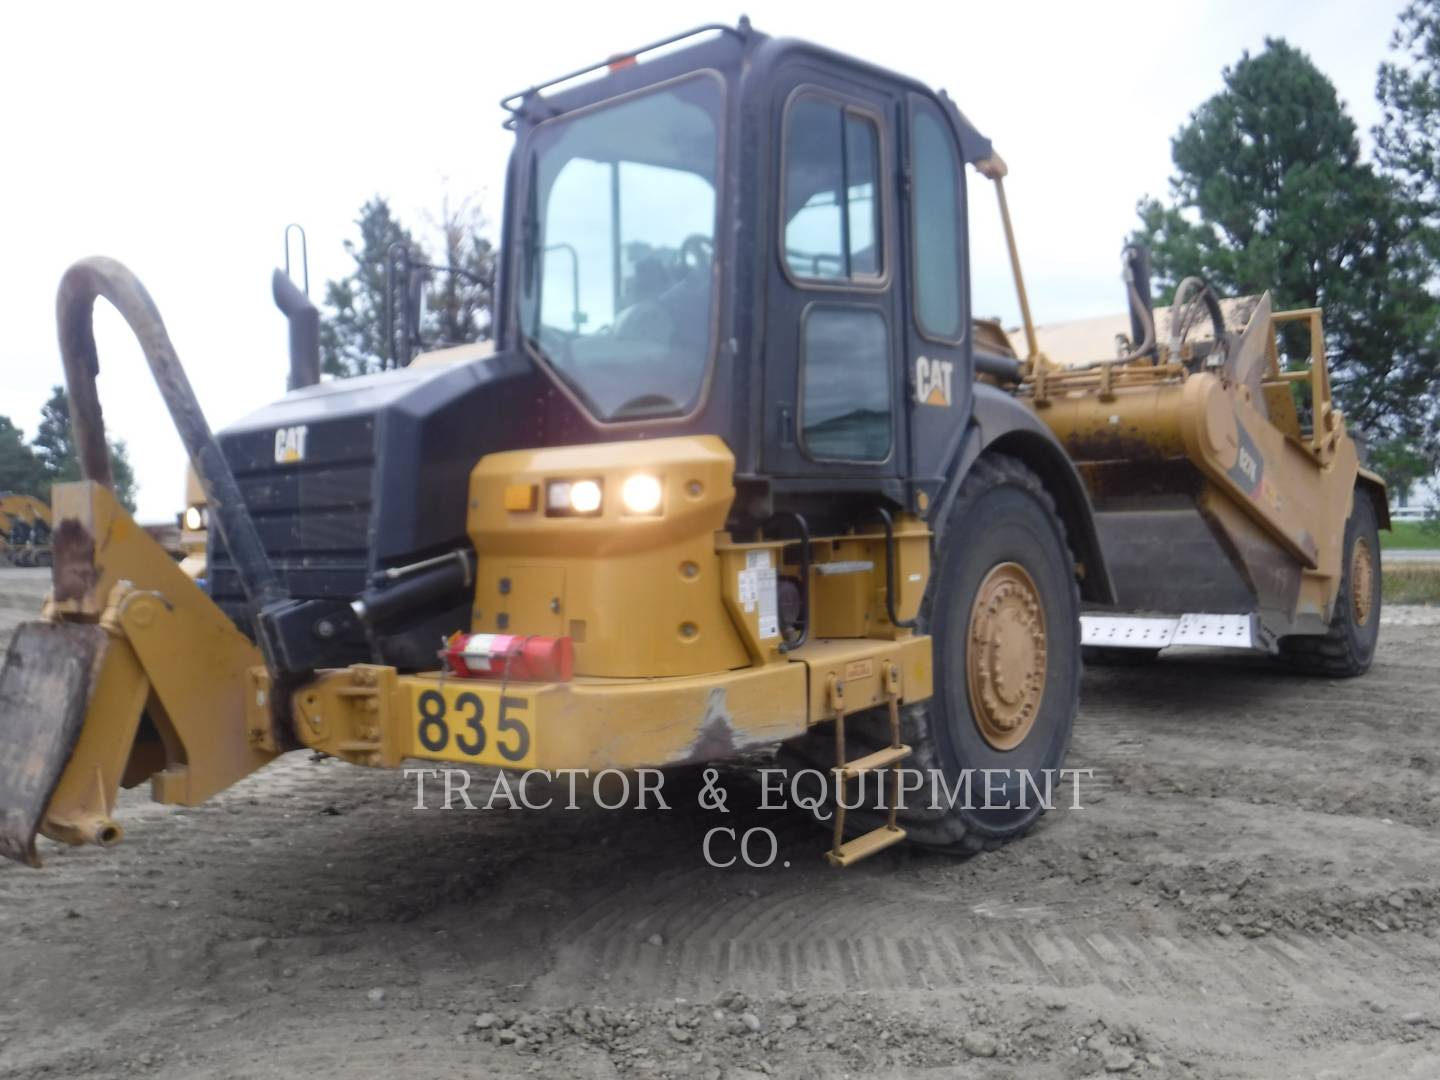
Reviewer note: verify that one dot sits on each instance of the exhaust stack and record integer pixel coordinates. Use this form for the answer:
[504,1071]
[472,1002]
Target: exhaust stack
[302,315]
[304,319]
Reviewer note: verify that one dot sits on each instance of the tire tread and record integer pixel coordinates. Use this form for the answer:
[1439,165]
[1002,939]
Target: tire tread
[1333,654]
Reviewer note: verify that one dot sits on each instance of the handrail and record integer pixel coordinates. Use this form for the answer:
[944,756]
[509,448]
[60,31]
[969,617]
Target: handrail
[513,103]
[304,254]
[1324,421]
[891,611]
[400,254]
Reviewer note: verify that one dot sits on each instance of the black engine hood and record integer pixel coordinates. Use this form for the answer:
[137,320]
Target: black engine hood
[350,476]
[415,433]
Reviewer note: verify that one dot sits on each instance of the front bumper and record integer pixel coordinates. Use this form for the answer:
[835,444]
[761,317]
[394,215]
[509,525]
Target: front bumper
[375,716]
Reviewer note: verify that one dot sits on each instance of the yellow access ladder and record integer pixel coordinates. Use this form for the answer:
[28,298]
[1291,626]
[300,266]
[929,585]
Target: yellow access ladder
[847,852]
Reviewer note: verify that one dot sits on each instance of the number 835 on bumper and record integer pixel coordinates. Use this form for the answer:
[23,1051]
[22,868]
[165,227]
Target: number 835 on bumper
[473,723]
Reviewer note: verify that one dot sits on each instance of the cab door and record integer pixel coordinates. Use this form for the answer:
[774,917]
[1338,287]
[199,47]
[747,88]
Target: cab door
[834,337]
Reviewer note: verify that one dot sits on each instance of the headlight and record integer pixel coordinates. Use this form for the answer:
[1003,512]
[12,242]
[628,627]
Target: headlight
[585,497]
[640,494]
[195,518]
[572,497]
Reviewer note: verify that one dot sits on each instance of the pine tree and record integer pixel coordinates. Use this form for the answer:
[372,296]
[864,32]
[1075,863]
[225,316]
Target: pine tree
[1270,192]
[458,304]
[1407,140]
[352,334]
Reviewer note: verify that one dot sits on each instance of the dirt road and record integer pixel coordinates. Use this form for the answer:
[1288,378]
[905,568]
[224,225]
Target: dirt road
[1252,889]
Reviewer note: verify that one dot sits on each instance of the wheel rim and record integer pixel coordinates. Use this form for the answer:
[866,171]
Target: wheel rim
[1362,581]
[1006,655]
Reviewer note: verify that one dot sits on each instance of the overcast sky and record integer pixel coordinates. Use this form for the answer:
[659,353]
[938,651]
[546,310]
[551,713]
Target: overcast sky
[182,138]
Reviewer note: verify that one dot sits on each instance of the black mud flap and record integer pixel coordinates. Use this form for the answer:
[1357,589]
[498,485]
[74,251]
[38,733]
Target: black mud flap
[44,692]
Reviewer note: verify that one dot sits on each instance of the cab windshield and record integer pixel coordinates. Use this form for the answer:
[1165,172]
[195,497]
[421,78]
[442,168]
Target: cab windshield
[619,247]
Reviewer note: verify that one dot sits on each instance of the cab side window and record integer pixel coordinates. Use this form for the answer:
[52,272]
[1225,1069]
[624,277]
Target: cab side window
[831,209]
[935,224]
[845,391]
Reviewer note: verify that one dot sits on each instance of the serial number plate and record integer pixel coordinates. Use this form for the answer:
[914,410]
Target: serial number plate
[473,723]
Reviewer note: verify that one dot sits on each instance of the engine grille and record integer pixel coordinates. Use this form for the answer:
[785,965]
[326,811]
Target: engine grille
[313,516]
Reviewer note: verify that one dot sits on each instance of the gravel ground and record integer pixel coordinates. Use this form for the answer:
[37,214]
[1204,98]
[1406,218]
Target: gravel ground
[1249,890]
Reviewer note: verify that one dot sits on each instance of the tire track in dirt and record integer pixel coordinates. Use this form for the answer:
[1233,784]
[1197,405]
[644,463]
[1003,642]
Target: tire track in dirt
[1126,958]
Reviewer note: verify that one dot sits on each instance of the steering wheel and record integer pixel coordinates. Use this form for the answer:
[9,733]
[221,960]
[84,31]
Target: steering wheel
[1193,296]
[700,248]
[644,320]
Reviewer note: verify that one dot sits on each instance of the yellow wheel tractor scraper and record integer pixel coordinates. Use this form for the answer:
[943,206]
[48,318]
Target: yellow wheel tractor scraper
[738,470]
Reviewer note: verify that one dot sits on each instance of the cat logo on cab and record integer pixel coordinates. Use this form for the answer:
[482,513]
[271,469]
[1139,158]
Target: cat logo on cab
[290,444]
[932,381]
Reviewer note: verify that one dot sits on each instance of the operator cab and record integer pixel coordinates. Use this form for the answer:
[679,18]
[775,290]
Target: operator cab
[755,238]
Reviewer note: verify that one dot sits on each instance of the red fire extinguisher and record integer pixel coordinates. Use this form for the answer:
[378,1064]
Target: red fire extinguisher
[521,658]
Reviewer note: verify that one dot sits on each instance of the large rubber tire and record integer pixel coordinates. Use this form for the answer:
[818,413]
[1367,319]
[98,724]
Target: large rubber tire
[1347,648]
[1002,514]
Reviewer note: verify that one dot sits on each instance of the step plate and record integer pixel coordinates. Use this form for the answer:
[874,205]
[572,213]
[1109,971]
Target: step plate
[880,759]
[865,845]
[1163,631]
